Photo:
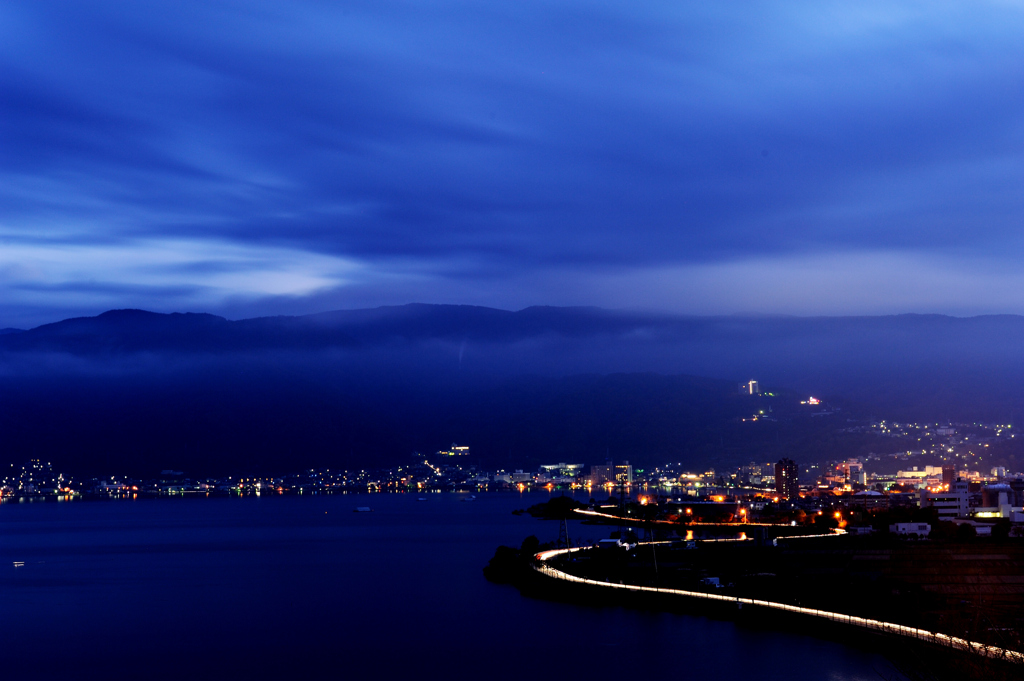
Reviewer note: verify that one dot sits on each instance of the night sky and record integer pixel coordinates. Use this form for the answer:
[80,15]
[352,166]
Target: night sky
[249,158]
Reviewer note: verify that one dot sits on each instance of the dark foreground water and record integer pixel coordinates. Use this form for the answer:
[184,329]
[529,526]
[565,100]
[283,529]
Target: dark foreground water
[302,587]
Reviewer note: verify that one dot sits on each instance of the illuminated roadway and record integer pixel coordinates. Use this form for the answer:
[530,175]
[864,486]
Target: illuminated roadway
[597,514]
[544,568]
[836,532]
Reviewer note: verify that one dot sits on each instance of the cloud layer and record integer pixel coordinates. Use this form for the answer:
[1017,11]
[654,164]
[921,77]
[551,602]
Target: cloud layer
[253,158]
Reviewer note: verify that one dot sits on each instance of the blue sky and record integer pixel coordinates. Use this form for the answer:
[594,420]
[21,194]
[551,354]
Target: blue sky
[249,158]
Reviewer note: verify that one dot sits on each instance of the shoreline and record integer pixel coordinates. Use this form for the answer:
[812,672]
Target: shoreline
[544,579]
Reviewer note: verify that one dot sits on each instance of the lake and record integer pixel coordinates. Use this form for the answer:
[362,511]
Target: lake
[302,587]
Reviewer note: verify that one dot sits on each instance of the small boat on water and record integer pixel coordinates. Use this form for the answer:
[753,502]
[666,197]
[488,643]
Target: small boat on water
[362,509]
[422,499]
[470,498]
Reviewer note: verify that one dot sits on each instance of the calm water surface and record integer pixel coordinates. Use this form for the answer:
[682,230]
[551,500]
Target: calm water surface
[302,587]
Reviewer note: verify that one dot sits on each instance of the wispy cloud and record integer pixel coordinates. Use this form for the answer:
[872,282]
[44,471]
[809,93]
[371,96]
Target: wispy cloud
[165,274]
[387,151]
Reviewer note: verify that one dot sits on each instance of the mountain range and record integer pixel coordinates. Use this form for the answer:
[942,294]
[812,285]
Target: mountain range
[133,391]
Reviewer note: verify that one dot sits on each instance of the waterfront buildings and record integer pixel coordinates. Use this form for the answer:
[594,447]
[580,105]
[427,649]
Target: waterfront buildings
[565,473]
[37,477]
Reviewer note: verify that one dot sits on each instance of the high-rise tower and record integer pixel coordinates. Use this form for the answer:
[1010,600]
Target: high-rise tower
[787,479]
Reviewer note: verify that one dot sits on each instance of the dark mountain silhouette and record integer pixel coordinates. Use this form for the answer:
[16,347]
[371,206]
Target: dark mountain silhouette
[136,390]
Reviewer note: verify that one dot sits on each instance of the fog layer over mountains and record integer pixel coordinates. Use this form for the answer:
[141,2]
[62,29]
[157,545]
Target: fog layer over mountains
[134,391]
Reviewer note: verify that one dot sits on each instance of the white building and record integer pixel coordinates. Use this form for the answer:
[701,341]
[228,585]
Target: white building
[930,476]
[911,529]
[952,503]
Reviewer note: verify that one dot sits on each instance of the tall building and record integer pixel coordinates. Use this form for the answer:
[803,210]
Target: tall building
[599,475]
[787,479]
[852,472]
[617,474]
